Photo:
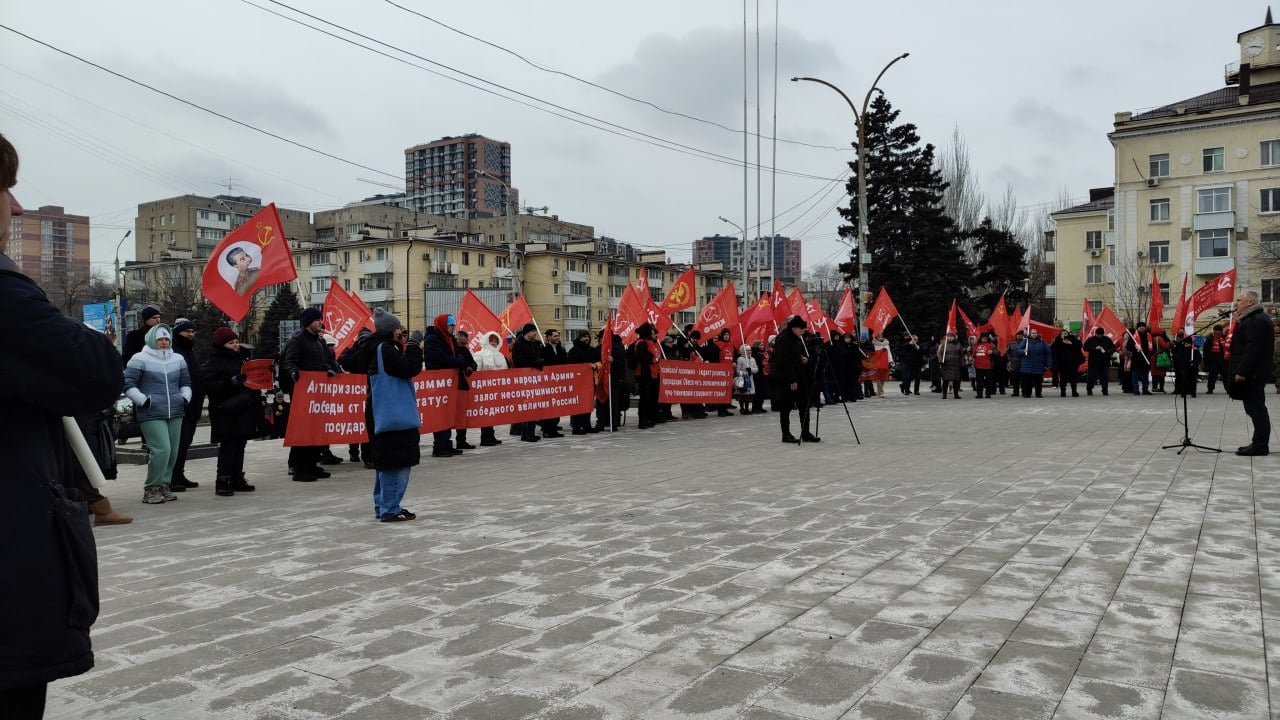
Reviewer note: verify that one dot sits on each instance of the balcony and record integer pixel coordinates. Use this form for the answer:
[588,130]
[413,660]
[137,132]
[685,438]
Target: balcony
[1214,265]
[323,270]
[372,296]
[1051,291]
[1050,256]
[317,298]
[577,300]
[444,268]
[613,303]
[500,273]
[375,267]
[1214,221]
[619,278]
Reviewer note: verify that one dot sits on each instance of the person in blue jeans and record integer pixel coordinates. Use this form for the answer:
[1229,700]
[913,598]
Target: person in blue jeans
[158,382]
[1142,351]
[395,452]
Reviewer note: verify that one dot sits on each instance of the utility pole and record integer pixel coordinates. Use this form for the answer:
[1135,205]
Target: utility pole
[119,315]
[512,209]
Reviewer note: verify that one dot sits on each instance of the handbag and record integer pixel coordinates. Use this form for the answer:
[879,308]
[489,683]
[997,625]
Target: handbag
[1163,360]
[738,383]
[395,405]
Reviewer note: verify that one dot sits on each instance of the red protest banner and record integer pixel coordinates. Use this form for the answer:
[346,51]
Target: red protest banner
[249,257]
[874,368]
[327,410]
[257,374]
[502,397]
[344,316]
[695,382]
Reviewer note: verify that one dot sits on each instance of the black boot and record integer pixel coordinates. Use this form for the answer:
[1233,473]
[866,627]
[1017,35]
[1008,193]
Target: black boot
[222,486]
[807,436]
[240,483]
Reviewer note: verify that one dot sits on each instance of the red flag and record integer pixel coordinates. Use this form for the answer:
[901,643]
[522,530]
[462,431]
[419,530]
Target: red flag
[875,367]
[631,314]
[606,362]
[780,313]
[1024,321]
[1155,315]
[720,313]
[951,318]
[1087,319]
[660,320]
[999,322]
[795,303]
[1048,333]
[642,282]
[819,321]
[1221,289]
[1180,317]
[968,324]
[683,294]
[515,316]
[758,317]
[883,311]
[476,319]
[252,256]
[846,314]
[1111,326]
[344,315]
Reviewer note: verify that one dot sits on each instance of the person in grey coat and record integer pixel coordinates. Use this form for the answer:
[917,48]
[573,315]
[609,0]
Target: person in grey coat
[158,382]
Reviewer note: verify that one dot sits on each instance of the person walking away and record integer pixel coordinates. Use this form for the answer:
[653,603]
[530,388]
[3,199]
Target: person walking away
[1186,364]
[790,378]
[490,357]
[1036,358]
[305,352]
[1098,349]
[158,382]
[391,414]
[233,411]
[982,351]
[1251,368]
[1215,360]
[184,343]
[54,367]
[583,352]
[1068,354]
[951,364]
[1141,350]
[526,353]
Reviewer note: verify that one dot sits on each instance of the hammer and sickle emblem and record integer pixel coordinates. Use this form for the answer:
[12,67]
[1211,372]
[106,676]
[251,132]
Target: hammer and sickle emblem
[1224,283]
[679,293]
[266,234]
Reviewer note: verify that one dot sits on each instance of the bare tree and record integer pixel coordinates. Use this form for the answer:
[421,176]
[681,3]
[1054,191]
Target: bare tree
[962,199]
[825,283]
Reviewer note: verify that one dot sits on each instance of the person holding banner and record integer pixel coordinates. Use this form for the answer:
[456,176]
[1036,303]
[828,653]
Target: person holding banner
[789,367]
[462,340]
[553,353]
[1252,367]
[490,357]
[1215,359]
[391,414]
[526,353]
[646,358]
[305,352]
[233,410]
[582,351]
[439,352]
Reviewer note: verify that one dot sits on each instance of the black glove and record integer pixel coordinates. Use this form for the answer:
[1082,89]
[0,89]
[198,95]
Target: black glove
[330,373]
[415,337]
[294,376]
[239,379]
[147,404]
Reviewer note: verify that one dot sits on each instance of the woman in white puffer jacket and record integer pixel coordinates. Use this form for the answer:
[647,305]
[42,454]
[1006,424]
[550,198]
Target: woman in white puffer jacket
[490,357]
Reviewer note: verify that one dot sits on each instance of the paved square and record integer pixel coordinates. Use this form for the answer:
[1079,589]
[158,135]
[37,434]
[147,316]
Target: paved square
[1002,558]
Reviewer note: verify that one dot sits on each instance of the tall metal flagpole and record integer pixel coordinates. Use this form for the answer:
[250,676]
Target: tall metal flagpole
[773,165]
[746,289]
[746,159]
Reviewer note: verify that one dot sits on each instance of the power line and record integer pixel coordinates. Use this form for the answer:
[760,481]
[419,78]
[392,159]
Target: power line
[202,108]
[597,86]
[609,127]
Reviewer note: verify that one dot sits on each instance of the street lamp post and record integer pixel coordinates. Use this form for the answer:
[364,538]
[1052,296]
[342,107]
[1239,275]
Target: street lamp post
[864,231]
[512,208]
[746,279]
[119,315]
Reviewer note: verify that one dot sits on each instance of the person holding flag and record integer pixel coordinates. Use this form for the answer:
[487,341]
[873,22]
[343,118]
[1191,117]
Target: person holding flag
[1141,350]
[1098,349]
[647,359]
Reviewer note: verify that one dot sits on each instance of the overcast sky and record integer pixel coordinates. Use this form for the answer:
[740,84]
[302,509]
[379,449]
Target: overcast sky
[1031,86]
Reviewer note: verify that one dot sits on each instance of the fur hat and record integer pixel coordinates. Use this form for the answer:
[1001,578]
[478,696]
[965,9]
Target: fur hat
[384,322]
[308,316]
[224,335]
[797,322]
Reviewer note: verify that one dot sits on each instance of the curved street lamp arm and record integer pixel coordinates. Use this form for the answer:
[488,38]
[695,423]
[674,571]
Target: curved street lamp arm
[854,108]
[867,100]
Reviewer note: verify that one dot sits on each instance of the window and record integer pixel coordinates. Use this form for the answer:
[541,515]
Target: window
[466,258]
[1159,210]
[466,283]
[555,290]
[346,257]
[1269,246]
[1214,159]
[600,292]
[380,254]
[1269,152]
[1096,307]
[480,259]
[346,284]
[577,288]
[1211,200]
[578,313]
[1158,252]
[573,265]
[1270,291]
[319,285]
[1213,243]
[599,316]
[320,257]
[442,255]
[1270,201]
[599,268]
[555,265]
[557,315]
[1049,241]
[1164,293]
[1092,274]
[1093,240]
[1158,165]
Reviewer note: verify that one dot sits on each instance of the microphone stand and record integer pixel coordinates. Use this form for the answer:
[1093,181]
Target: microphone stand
[1186,442]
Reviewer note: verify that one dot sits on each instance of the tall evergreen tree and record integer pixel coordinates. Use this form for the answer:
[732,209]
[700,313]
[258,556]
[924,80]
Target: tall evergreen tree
[915,248]
[999,268]
[284,307]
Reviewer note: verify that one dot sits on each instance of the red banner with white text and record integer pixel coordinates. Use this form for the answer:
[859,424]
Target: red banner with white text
[685,381]
[502,397]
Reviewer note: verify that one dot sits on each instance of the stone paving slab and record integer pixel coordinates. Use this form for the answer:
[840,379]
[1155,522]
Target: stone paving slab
[1003,558]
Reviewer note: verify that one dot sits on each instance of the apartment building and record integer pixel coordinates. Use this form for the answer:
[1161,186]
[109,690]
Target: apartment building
[51,246]
[459,177]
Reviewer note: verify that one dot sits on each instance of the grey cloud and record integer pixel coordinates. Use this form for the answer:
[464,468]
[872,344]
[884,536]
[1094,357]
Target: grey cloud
[1050,124]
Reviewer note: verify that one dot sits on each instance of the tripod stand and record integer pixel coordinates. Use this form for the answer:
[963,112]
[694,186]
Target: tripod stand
[821,361]
[1186,419]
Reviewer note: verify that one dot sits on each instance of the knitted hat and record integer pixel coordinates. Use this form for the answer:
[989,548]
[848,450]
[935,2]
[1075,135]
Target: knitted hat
[224,335]
[183,325]
[797,322]
[528,328]
[308,316]
[147,313]
[384,322]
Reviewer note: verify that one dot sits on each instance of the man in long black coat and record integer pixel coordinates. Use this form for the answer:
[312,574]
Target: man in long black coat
[1251,368]
[788,373]
[54,367]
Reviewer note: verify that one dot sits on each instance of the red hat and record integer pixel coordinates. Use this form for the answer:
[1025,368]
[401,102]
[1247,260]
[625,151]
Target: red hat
[224,335]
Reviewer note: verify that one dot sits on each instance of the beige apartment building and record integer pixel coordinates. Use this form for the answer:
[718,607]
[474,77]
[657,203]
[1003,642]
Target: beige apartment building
[1197,191]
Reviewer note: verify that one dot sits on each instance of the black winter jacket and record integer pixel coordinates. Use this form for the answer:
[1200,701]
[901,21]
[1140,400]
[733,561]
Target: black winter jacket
[583,353]
[784,364]
[304,351]
[1252,345]
[399,448]
[526,354]
[55,366]
[554,354]
[234,409]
